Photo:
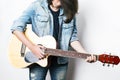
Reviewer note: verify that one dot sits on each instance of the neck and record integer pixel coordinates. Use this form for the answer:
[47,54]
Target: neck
[54,8]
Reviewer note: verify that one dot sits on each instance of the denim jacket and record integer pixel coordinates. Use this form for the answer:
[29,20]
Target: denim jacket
[41,19]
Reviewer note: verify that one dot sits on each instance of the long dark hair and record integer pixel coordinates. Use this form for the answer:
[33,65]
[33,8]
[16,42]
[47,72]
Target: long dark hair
[70,8]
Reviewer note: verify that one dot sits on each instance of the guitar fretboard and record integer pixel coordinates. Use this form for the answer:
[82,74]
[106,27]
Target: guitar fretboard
[70,54]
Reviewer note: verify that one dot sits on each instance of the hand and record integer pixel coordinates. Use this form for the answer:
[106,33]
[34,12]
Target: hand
[38,50]
[91,58]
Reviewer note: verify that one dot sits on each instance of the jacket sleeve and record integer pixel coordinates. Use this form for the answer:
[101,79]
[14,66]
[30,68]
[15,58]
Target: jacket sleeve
[21,23]
[74,36]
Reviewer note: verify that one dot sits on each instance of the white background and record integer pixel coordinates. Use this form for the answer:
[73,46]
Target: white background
[98,29]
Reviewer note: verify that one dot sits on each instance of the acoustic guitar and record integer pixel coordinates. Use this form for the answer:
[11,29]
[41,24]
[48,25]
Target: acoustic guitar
[21,57]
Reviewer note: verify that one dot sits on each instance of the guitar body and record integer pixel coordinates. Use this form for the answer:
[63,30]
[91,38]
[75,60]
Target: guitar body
[15,49]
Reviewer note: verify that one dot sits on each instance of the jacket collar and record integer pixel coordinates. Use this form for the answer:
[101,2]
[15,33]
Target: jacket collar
[44,4]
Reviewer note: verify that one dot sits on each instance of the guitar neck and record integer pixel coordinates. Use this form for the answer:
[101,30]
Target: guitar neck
[70,54]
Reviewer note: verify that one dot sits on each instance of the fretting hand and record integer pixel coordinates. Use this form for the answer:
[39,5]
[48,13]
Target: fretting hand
[91,58]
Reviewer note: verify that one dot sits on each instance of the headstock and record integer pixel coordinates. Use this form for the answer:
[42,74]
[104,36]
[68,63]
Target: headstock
[110,59]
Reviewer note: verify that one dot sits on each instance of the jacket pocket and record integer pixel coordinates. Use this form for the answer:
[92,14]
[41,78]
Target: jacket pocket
[42,18]
[42,23]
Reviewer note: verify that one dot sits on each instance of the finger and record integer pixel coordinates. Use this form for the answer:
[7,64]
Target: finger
[88,59]
[92,56]
[41,46]
[42,50]
[42,57]
[95,59]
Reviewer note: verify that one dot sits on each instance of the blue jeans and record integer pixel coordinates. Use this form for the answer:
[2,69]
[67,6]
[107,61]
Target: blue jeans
[57,71]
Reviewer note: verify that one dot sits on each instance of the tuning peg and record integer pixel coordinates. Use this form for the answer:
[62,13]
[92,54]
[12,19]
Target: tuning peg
[109,53]
[113,65]
[108,65]
[103,64]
